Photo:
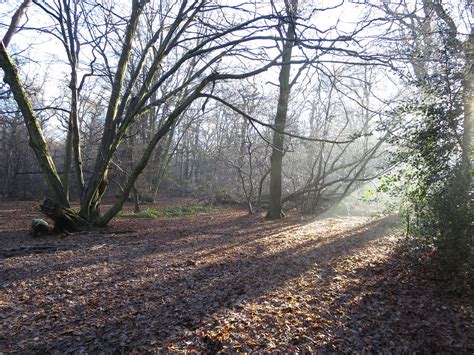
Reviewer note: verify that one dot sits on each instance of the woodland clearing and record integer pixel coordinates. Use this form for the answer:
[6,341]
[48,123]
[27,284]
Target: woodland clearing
[225,281]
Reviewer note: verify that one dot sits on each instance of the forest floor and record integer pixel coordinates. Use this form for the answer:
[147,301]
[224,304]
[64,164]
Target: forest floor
[222,280]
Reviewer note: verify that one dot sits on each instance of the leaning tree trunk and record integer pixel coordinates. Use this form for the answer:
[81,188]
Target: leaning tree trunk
[142,163]
[36,137]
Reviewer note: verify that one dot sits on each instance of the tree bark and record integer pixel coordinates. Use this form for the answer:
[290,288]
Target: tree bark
[67,161]
[36,137]
[173,117]
[65,219]
[16,21]
[468,98]
[274,209]
[72,45]
[99,180]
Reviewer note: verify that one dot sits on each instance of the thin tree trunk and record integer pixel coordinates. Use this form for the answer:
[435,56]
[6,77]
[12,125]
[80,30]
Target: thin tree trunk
[67,162]
[163,161]
[72,45]
[76,139]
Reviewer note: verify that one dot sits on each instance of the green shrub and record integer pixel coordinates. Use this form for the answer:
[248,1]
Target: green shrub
[432,165]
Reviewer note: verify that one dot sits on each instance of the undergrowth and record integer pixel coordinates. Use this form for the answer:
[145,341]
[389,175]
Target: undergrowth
[166,212]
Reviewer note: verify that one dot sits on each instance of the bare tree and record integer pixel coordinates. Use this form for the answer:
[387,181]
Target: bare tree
[133,85]
[148,69]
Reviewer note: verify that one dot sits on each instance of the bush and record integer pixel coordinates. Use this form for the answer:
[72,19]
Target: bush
[450,220]
[433,174]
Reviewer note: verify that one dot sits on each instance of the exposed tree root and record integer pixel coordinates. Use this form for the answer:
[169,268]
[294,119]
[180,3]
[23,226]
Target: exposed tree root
[65,219]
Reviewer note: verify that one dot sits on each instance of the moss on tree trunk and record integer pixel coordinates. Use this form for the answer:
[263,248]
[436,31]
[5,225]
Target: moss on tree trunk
[65,219]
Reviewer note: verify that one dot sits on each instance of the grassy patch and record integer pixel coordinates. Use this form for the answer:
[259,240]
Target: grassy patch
[166,212]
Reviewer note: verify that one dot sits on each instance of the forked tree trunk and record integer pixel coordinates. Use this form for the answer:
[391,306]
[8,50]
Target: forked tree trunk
[65,219]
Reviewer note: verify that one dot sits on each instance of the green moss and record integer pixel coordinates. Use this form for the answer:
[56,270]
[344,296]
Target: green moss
[166,212]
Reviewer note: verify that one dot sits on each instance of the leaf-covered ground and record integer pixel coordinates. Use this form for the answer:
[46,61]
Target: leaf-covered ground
[224,281]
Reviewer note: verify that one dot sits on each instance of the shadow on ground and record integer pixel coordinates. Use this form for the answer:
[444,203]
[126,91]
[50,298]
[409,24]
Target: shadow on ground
[402,305]
[128,295]
[120,292]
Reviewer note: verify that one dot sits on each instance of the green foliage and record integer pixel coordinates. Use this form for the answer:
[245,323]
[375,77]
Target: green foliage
[433,176]
[451,217]
[166,212]
[388,183]
[436,199]
[368,196]
[148,213]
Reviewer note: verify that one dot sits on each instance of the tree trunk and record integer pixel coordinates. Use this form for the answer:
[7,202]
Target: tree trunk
[65,219]
[37,141]
[136,200]
[15,23]
[142,163]
[468,146]
[98,182]
[67,162]
[274,209]
[162,161]
[72,43]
